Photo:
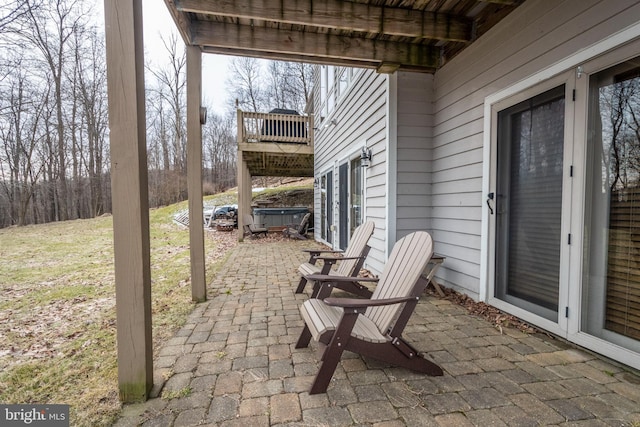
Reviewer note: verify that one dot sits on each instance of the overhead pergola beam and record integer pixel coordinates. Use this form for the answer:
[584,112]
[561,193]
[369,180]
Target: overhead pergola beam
[264,40]
[340,15]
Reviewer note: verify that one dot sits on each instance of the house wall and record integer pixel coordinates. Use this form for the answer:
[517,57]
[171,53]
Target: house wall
[535,36]
[360,116]
[414,141]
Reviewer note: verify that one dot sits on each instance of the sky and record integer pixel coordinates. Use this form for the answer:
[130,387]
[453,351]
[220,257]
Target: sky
[157,22]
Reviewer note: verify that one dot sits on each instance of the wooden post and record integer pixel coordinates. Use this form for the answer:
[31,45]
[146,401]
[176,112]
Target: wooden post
[194,174]
[240,178]
[125,82]
[247,188]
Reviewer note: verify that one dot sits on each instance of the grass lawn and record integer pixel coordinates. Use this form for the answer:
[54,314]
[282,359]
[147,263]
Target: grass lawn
[57,311]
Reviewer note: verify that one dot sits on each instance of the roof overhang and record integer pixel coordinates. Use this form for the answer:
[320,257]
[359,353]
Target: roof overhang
[388,35]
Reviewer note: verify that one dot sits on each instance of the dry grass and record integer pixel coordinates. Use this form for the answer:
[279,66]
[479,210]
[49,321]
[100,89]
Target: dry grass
[57,313]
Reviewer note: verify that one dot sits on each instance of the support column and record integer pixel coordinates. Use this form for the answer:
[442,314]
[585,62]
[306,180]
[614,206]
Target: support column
[194,174]
[129,190]
[247,189]
[241,178]
[242,211]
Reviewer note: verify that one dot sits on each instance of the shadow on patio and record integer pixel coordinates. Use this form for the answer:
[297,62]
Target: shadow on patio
[234,364]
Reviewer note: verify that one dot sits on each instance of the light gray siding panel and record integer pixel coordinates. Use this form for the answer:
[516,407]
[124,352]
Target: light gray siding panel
[455,174]
[457,186]
[533,37]
[461,226]
[414,118]
[360,117]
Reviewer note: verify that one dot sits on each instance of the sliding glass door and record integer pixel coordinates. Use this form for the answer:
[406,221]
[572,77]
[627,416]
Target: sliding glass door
[611,273]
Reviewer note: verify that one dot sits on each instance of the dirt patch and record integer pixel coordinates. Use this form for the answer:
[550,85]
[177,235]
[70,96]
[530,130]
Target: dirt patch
[286,198]
[491,314]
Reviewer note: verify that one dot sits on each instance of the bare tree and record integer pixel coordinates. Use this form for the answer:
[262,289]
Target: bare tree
[52,29]
[289,84]
[246,84]
[20,132]
[171,89]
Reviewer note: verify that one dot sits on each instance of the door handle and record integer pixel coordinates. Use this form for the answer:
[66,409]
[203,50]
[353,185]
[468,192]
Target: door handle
[490,197]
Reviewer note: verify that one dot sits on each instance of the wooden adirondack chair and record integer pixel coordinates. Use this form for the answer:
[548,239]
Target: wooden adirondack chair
[349,265]
[250,228]
[372,327]
[298,231]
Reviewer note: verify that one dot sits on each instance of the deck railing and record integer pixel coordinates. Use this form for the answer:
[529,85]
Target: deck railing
[273,127]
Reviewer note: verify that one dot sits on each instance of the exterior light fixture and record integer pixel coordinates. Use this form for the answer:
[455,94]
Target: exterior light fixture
[203,115]
[365,157]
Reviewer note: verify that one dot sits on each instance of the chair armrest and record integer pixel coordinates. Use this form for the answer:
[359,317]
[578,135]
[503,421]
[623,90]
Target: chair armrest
[330,278]
[364,303]
[342,258]
[315,253]
[320,251]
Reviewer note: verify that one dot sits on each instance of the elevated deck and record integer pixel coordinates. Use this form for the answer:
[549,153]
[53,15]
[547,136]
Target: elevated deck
[274,144]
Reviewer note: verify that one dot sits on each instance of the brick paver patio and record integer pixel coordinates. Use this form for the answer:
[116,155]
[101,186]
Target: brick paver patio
[234,364]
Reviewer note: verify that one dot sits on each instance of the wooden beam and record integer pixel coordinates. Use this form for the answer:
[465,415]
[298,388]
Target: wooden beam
[505,2]
[194,174]
[279,56]
[312,45]
[125,88]
[340,15]
[275,148]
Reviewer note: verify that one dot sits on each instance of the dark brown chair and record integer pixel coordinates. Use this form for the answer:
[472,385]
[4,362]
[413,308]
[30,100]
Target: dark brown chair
[372,327]
[348,265]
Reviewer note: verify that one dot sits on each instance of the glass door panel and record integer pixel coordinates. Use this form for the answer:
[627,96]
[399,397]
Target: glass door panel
[529,203]
[611,272]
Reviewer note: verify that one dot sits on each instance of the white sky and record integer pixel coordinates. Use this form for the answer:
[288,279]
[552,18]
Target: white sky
[157,22]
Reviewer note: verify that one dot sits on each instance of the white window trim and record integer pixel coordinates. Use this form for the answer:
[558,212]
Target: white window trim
[330,188]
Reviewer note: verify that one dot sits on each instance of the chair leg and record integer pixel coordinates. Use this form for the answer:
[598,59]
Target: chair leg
[322,290]
[301,285]
[305,337]
[330,360]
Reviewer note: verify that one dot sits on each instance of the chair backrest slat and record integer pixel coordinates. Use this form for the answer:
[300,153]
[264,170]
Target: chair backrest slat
[409,257]
[303,224]
[359,240]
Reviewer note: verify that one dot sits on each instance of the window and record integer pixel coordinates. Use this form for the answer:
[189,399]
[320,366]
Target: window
[326,207]
[357,194]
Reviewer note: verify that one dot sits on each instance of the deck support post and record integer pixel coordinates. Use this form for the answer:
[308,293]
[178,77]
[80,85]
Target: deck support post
[244,194]
[194,174]
[244,181]
[129,188]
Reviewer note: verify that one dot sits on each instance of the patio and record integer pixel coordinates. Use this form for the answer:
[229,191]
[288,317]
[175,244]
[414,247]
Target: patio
[234,364]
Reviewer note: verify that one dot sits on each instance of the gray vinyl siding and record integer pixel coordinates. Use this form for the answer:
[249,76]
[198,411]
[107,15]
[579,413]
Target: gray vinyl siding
[360,116]
[415,122]
[532,38]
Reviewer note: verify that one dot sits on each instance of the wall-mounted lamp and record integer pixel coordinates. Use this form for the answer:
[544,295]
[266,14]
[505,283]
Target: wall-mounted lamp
[365,157]
[203,115]
[316,183]
[333,122]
